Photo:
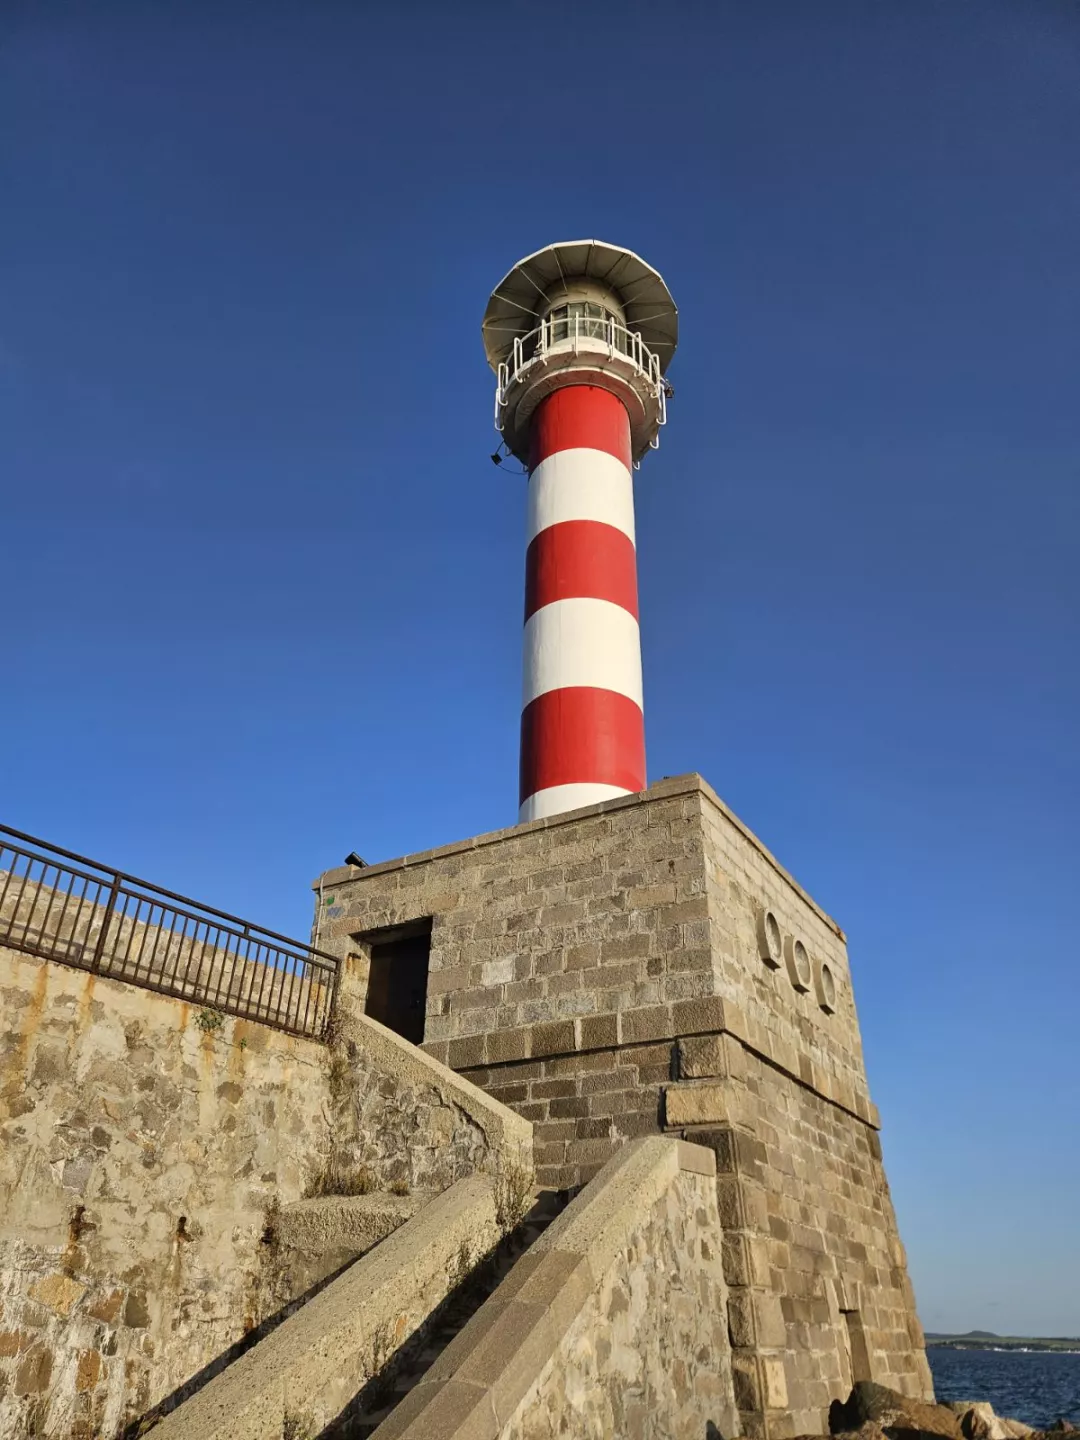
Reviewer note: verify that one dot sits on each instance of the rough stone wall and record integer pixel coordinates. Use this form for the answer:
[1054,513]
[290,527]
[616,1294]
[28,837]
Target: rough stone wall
[646,1357]
[602,973]
[141,1160]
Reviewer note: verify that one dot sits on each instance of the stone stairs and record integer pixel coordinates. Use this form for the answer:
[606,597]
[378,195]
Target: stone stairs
[379,1400]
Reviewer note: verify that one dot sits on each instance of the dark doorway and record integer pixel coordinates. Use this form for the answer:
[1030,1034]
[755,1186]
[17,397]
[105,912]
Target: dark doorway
[857,1346]
[397,978]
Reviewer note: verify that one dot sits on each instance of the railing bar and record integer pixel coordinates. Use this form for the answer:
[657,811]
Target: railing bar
[292,989]
[262,982]
[18,902]
[193,938]
[108,956]
[310,995]
[120,947]
[237,976]
[221,958]
[133,948]
[201,980]
[7,886]
[159,929]
[104,949]
[53,889]
[233,976]
[16,909]
[216,971]
[60,921]
[146,926]
[240,973]
[277,986]
[75,942]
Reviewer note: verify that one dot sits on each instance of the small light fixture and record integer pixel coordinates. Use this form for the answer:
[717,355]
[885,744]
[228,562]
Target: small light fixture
[354,859]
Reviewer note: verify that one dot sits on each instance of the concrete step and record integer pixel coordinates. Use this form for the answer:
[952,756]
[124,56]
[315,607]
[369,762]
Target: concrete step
[315,1238]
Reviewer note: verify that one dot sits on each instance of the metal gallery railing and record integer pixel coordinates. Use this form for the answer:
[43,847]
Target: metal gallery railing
[575,334]
[62,906]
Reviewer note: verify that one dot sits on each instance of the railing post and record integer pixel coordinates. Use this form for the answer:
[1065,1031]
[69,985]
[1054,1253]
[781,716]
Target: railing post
[109,911]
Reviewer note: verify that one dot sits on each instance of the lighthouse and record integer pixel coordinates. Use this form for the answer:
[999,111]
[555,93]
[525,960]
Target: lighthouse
[580,336]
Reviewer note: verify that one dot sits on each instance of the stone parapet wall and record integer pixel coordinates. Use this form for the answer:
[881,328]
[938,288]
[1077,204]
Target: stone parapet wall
[145,1149]
[612,1324]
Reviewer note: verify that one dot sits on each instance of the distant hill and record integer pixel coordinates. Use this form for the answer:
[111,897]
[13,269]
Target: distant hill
[967,1335]
[988,1340]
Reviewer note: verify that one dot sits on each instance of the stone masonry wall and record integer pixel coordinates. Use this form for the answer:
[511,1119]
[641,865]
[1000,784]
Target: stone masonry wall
[647,1355]
[809,1232]
[603,974]
[144,1146]
[586,945]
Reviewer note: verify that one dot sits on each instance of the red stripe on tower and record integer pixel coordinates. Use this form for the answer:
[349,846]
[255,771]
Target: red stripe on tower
[582,728]
[581,558]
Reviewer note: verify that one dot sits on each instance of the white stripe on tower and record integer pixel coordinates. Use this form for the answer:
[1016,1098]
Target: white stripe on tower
[582,730]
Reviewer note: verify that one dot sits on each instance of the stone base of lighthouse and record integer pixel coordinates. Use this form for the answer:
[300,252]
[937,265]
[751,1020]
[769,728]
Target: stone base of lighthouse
[604,973]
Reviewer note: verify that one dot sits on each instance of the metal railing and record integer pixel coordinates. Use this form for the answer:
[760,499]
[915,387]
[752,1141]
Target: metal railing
[62,906]
[572,334]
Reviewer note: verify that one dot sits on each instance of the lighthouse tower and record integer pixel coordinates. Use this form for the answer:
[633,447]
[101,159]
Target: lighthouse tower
[580,336]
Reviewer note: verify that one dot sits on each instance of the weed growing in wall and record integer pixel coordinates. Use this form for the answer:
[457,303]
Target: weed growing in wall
[297,1425]
[337,1178]
[513,1188]
[209,1020]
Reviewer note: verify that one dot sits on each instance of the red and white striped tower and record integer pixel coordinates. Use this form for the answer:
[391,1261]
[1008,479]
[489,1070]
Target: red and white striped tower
[580,336]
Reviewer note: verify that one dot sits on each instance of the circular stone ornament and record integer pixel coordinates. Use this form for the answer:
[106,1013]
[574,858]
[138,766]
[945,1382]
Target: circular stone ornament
[770,939]
[825,987]
[799,968]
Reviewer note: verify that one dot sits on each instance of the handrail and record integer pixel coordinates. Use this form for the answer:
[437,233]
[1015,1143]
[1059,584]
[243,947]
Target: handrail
[133,930]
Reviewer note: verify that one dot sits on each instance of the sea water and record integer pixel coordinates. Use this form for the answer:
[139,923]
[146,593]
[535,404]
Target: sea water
[1036,1386]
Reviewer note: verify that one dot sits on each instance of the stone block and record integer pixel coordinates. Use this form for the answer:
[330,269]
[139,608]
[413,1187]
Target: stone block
[505,1046]
[740,1311]
[695,1104]
[59,1293]
[702,1056]
[651,1023]
[769,1325]
[597,1032]
[553,1038]
[467,1053]
[747,1383]
[735,1259]
[498,972]
[774,1381]
[691,1017]
[729,1202]
[697,1159]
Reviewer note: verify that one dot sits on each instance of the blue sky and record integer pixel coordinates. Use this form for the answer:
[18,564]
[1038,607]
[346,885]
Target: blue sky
[262,584]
